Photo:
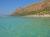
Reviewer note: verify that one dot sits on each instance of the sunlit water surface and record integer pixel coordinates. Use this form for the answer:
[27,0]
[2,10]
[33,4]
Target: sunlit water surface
[13,26]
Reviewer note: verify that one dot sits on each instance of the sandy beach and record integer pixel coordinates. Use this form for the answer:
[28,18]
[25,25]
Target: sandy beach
[46,15]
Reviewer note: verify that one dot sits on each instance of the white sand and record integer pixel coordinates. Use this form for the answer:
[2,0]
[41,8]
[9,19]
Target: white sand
[46,15]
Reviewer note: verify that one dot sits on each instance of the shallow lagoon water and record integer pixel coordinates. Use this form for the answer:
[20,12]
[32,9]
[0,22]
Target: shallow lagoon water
[13,26]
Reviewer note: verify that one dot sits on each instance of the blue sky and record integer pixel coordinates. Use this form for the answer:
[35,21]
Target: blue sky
[9,6]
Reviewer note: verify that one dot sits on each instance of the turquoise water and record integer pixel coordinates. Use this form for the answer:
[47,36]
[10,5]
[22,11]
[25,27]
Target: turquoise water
[24,27]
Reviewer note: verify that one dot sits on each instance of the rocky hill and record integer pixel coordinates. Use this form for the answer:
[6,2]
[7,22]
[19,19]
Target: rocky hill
[33,8]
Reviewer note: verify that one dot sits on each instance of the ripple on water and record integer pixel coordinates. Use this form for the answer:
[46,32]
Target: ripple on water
[24,27]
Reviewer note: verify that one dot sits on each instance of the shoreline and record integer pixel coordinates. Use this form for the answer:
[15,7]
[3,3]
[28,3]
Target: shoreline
[46,15]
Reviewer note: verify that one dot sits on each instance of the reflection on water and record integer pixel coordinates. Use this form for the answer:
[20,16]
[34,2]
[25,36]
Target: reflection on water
[24,27]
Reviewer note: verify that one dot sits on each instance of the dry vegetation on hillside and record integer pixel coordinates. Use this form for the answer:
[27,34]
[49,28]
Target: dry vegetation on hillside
[40,8]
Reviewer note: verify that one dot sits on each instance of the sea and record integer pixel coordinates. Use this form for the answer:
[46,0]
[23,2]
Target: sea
[19,26]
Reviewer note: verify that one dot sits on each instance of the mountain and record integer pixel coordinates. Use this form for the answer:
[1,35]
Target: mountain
[33,8]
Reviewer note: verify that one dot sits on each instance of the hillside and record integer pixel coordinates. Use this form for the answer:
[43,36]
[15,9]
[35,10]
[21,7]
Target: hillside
[38,8]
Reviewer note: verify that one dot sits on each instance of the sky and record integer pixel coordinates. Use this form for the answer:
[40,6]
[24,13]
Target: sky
[9,6]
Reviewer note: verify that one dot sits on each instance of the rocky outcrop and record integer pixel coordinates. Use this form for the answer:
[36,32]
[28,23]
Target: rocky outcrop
[33,7]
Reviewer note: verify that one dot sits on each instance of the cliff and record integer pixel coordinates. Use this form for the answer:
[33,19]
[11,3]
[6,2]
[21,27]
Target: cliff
[32,9]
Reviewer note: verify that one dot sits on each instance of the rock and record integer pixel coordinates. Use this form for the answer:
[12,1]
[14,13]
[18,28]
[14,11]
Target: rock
[33,7]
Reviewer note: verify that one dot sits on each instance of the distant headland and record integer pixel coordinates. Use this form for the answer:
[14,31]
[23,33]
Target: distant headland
[34,9]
